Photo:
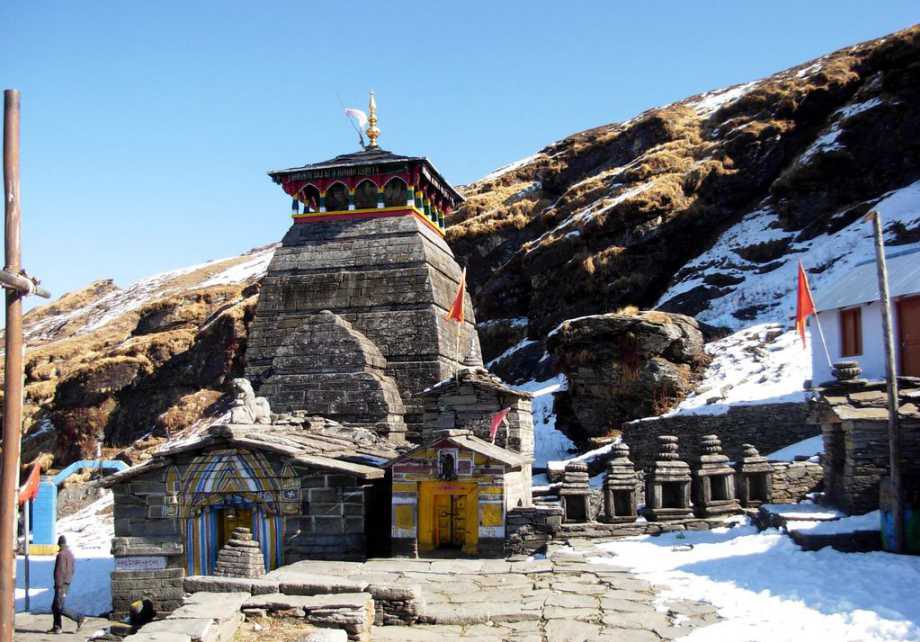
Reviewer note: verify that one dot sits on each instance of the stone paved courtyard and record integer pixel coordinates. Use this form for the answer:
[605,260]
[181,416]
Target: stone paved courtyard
[563,599]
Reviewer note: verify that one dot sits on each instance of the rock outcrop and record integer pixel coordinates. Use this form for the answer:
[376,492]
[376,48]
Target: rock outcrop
[623,366]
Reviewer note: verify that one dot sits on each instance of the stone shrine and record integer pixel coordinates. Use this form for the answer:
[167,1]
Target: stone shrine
[754,478]
[241,556]
[621,487]
[667,495]
[713,480]
[575,493]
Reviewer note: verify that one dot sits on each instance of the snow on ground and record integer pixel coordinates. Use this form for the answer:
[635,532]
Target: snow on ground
[760,364]
[89,534]
[769,296]
[868,522]
[558,466]
[549,443]
[805,448]
[805,510]
[510,351]
[768,589]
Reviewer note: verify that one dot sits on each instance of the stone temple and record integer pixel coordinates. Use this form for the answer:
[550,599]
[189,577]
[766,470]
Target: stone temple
[364,426]
[351,322]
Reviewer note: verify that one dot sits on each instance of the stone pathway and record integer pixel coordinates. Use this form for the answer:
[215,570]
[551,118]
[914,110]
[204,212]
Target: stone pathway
[33,627]
[563,599]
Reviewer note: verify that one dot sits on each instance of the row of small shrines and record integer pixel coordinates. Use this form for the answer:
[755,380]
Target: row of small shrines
[673,488]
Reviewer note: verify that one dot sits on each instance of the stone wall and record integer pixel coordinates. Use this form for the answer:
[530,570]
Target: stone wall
[531,529]
[853,416]
[792,481]
[393,279]
[768,427]
[471,405]
[147,567]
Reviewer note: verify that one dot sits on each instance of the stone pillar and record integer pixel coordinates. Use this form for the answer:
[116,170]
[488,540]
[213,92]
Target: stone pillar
[754,477]
[241,556]
[667,495]
[713,480]
[620,487]
[574,493]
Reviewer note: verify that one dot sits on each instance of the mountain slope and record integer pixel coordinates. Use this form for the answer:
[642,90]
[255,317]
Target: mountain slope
[621,214]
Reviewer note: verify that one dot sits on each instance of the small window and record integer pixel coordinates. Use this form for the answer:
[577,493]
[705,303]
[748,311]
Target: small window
[851,332]
[395,193]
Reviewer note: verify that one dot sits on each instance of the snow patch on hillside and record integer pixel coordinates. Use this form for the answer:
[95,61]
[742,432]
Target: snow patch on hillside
[768,296]
[549,443]
[510,167]
[711,101]
[757,365]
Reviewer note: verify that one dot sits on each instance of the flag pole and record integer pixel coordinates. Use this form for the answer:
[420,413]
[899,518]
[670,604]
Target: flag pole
[823,341]
[894,437]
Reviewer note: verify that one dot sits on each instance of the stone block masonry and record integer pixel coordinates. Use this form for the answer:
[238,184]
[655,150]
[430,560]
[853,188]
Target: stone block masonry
[392,279]
[792,481]
[768,427]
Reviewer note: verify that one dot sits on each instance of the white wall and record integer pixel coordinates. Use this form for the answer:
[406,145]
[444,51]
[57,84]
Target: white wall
[872,360]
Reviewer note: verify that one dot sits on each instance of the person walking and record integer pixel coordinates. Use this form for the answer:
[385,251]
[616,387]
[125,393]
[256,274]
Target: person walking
[64,565]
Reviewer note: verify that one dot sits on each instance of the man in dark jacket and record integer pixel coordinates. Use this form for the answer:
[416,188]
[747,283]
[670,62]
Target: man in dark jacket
[63,575]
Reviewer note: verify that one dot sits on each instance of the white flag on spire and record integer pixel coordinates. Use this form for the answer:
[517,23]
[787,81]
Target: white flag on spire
[359,116]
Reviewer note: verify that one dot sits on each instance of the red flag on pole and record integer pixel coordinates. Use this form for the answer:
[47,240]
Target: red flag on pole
[497,420]
[30,489]
[805,303]
[456,310]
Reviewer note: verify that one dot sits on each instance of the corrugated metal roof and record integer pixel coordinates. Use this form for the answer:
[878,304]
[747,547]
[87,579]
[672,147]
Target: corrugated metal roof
[860,285]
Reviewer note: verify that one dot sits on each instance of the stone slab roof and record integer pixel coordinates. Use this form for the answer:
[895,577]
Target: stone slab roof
[862,400]
[313,441]
[466,439]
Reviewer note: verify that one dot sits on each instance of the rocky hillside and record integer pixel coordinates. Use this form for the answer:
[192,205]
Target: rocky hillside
[692,206]
[135,365]
[702,207]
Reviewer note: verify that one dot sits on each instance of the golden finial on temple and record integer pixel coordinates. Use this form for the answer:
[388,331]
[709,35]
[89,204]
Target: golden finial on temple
[372,131]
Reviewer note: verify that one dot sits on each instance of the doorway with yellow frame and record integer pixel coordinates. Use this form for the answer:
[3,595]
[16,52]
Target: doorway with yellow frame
[448,517]
[230,518]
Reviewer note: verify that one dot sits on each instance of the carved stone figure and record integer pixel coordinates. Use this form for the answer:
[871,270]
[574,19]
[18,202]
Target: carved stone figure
[247,408]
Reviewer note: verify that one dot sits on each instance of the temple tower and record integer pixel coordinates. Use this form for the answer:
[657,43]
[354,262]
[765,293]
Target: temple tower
[366,252]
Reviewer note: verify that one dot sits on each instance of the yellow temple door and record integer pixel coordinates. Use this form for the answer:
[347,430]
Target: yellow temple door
[448,516]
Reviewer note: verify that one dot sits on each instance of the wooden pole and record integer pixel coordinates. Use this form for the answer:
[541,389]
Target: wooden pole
[12,385]
[894,438]
[27,528]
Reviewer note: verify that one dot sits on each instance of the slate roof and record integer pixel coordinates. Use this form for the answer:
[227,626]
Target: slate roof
[466,439]
[317,442]
[860,285]
[375,156]
[863,400]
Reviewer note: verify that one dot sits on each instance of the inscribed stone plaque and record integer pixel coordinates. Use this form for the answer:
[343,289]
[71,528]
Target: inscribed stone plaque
[140,563]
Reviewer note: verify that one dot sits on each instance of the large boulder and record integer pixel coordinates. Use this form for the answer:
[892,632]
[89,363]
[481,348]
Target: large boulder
[624,365]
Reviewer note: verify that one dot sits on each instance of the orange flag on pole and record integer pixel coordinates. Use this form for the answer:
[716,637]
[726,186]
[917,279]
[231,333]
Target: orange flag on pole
[497,420]
[804,304]
[456,310]
[30,489]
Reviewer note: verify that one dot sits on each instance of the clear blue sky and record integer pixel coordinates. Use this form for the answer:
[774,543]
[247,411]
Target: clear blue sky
[147,127]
